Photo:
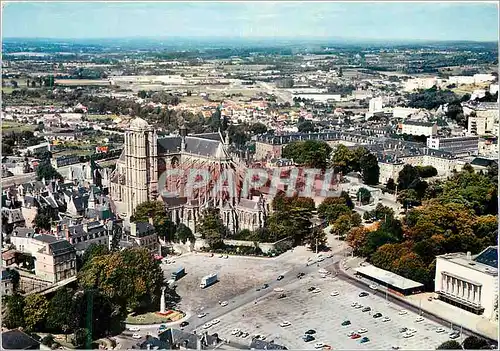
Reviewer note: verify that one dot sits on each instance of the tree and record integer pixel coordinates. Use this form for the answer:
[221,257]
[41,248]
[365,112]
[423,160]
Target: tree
[306,127]
[426,171]
[370,170]
[211,227]
[258,128]
[62,316]
[474,343]
[92,251]
[364,196]
[387,254]
[80,338]
[356,238]
[183,234]
[449,345]
[309,153]
[391,185]
[47,172]
[407,176]
[14,314]
[44,217]
[316,238]
[342,225]
[155,210]
[35,311]
[131,278]
[332,207]
[412,267]
[342,159]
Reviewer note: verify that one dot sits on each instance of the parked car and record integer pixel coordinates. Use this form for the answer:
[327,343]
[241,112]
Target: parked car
[334,293]
[285,324]
[265,286]
[386,319]
[224,303]
[363,294]
[346,322]
[300,275]
[134,329]
[362,331]
[310,332]
[312,288]
[308,338]
[355,336]
[440,330]
[319,345]
[280,277]
[419,319]
[364,340]
[366,309]
[184,324]
[403,329]
[403,312]
[377,315]
[374,287]
[202,314]
[281,296]
[136,336]
[454,335]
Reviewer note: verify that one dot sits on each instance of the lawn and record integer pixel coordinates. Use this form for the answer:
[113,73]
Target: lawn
[10,126]
[153,318]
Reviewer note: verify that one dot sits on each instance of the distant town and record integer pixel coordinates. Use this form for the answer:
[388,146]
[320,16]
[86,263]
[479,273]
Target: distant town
[356,201]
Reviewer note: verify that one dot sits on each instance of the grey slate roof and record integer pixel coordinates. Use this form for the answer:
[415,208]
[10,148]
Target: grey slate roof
[200,144]
[61,247]
[17,340]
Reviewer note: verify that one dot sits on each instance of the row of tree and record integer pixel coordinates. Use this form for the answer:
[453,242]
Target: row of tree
[457,215]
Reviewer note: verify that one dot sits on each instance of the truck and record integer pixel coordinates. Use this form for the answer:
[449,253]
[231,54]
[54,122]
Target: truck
[178,274]
[208,280]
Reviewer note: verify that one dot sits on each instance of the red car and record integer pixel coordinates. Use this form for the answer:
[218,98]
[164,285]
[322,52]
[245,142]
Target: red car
[355,336]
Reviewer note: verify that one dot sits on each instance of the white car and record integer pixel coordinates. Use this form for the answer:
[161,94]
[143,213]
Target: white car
[440,330]
[223,303]
[320,259]
[235,331]
[322,276]
[221,256]
[403,312]
[319,345]
[407,335]
[374,287]
[412,330]
[322,271]
[358,306]
[285,324]
[215,321]
[351,333]
[317,290]
[206,325]
[278,289]
[362,330]
[201,315]
[354,304]
[136,336]
[386,319]
[419,319]
[134,329]
[334,293]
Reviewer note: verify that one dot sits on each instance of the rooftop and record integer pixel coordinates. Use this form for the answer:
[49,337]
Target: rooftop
[388,277]
[485,262]
[17,340]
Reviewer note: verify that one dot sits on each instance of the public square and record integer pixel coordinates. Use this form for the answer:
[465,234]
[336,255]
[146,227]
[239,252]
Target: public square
[325,313]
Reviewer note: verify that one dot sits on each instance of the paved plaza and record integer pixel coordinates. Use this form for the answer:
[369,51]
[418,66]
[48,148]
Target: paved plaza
[324,313]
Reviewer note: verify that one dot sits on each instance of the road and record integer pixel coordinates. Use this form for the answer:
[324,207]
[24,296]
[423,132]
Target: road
[284,96]
[27,177]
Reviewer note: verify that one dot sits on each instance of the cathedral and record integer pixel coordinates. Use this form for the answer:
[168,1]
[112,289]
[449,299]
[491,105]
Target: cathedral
[146,156]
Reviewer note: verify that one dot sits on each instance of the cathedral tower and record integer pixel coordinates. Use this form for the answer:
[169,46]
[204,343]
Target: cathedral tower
[141,164]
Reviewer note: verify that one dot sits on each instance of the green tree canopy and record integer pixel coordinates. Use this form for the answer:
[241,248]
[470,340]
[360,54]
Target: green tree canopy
[364,196]
[309,153]
[474,343]
[370,170]
[156,211]
[46,171]
[35,311]
[14,311]
[131,278]
[450,345]
[211,227]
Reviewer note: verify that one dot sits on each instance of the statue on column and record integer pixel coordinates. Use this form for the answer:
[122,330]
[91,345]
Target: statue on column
[162,300]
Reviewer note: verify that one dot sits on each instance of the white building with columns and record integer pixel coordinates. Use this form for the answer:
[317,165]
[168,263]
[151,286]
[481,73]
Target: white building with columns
[469,282]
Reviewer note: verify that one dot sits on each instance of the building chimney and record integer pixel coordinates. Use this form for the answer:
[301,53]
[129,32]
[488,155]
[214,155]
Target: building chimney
[66,231]
[469,256]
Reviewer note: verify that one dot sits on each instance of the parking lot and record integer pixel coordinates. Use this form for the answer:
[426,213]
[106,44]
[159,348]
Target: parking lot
[236,275]
[325,314]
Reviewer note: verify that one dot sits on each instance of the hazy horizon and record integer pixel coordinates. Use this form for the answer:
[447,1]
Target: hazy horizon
[319,21]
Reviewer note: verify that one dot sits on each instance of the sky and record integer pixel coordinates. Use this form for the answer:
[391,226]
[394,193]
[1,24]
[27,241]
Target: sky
[473,21]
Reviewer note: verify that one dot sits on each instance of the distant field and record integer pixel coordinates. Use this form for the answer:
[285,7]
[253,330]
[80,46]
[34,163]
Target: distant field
[81,82]
[9,127]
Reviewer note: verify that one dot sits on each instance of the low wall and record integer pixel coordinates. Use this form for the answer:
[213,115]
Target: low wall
[283,244]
